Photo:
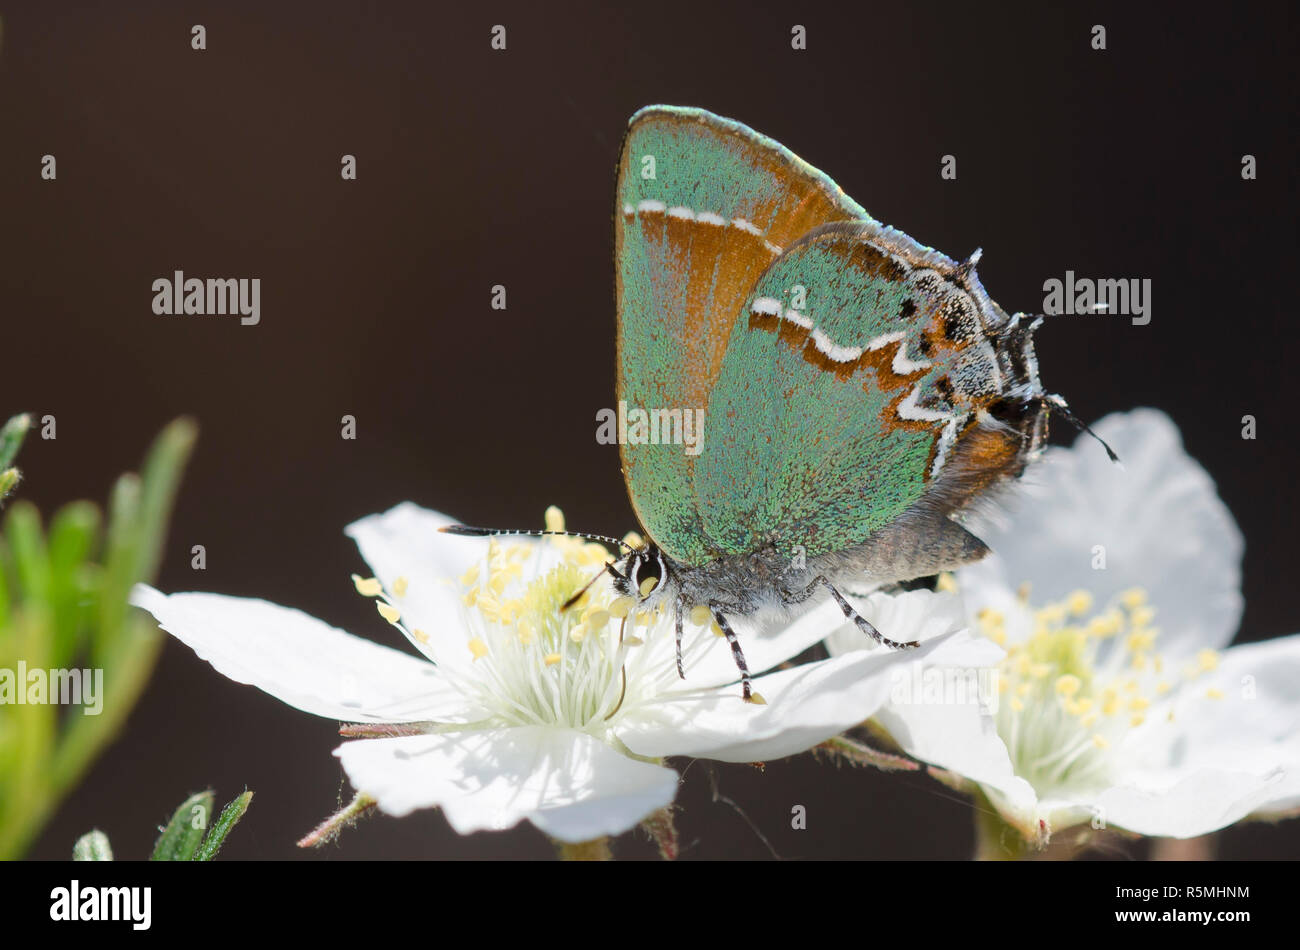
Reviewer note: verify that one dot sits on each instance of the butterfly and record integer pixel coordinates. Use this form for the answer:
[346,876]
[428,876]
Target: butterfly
[860,390]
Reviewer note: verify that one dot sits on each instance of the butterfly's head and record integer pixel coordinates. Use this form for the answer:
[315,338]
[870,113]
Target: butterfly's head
[645,575]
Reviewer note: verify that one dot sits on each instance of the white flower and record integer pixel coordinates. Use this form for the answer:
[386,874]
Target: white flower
[1114,591]
[524,711]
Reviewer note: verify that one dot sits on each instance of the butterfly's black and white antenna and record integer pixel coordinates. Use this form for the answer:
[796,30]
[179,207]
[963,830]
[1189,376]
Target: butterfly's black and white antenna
[1058,405]
[465,531]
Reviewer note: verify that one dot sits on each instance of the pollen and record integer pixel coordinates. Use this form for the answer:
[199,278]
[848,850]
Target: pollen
[388,612]
[946,584]
[551,659]
[470,577]
[1079,602]
[400,585]
[620,607]
[1207,660]
[470,597]
[367,586]
[633,540]
[478,648]
[700,615]
[1068,685]
[419,635]
[596,618]
[1133,598]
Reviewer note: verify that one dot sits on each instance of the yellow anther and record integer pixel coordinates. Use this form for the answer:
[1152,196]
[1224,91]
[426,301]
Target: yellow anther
[717,630]
[633,540]
[518,552]
[1213,693]
[1003,685]
[642,618]
[1040,670]
[470,577]
[1100,741]
[1207,660]
[1024,689]
[946,584]
[1089,720]
[647,585]
[1052,615]
[1079,602]
[1109,702]
[478,648]
[1079,707]
[633,642]
[527,630]
[367,586]
[1140,640]
[757,699]
[1142,616]
[1137,721]
[1016,704]
[597,618]
[997,635]
[1133,598]
[554,519]
[400,585]
[1139,662]
[1162,687]
[388,611]
[1068,685]
[470,597]
[1138,704]
[551,659]
[577,633]
[700,615]
[419,635]
[620,607]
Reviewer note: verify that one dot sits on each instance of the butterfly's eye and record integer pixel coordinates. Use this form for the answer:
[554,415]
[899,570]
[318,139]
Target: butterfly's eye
[648,573]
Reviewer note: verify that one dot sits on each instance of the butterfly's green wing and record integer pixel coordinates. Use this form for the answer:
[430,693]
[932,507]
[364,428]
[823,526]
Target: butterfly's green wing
[852,379]
[704,206]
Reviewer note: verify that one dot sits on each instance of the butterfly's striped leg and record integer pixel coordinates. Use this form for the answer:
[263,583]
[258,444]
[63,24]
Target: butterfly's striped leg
[681,605]
[746,685]
[862,622]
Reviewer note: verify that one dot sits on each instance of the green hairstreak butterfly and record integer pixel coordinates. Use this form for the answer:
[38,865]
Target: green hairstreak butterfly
[860,390]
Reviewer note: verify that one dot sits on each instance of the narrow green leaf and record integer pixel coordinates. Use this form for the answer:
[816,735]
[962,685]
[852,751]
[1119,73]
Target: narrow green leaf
[11,438]
[183,834]
[27,542]
[230,816]
[92,846]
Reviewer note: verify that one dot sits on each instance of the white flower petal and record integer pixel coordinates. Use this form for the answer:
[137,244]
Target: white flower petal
[1204,801]
[303,661]
[570,785]
[962,739]
[805,706]
[1157,517]
[405,542]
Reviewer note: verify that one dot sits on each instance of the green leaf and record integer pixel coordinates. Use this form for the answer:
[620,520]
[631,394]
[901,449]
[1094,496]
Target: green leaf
[92,846]
[184,833]
[230,816]
[11,438]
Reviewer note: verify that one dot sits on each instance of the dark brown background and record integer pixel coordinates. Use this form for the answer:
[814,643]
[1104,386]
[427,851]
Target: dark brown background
[479,167]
